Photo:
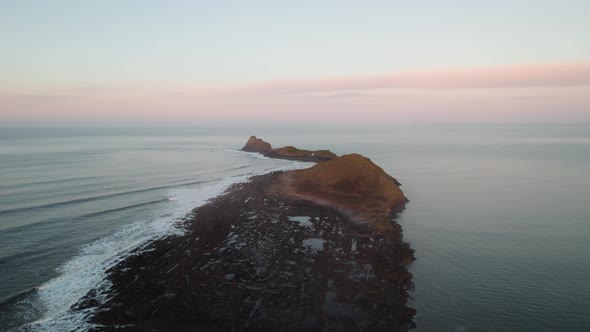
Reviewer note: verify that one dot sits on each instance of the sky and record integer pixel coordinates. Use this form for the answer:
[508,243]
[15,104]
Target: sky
[355,62]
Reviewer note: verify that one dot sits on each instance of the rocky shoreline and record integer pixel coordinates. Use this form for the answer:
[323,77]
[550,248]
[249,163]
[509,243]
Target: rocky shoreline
[309,250]
[250,261]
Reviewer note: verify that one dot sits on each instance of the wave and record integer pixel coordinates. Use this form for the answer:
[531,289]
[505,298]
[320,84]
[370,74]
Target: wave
[99,197]
[16,295]
[22,185]
[250,154]
[46,222]
[112,195]
[48,307]
[123,208]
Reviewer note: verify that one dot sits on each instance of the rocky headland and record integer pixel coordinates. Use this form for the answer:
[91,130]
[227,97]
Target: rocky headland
[308,250]
[255,144]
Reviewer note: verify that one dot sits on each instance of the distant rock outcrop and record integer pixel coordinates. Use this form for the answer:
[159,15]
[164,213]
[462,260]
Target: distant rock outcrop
[351,183]
[255,144]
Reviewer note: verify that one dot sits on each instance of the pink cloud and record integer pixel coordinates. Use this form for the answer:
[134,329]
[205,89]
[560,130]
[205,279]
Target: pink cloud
[551,92]
[556,75]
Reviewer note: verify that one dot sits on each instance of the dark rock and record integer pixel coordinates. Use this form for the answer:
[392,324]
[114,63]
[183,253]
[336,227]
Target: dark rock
[255,144]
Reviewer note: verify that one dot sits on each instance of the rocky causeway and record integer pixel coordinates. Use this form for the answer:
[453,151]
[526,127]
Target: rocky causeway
[316,249]
[255,144]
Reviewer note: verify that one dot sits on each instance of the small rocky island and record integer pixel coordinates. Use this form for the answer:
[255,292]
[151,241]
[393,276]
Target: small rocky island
[255,144]
[308,250]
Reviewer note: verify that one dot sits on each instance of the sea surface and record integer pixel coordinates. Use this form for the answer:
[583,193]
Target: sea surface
[499,215]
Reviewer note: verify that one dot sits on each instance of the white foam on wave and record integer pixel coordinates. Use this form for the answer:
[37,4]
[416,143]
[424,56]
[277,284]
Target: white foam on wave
[87,271]
[257,155]
[250,154]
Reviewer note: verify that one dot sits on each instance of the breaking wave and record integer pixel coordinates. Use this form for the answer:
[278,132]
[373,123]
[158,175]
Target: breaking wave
[48,306]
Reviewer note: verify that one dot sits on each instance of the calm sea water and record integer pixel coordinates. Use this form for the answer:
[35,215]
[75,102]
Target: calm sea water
[499,216]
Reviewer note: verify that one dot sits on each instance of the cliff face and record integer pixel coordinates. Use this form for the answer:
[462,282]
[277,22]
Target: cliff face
[351,183]
[255,144]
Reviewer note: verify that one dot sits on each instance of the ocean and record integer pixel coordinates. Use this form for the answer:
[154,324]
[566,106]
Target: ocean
[499,215]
